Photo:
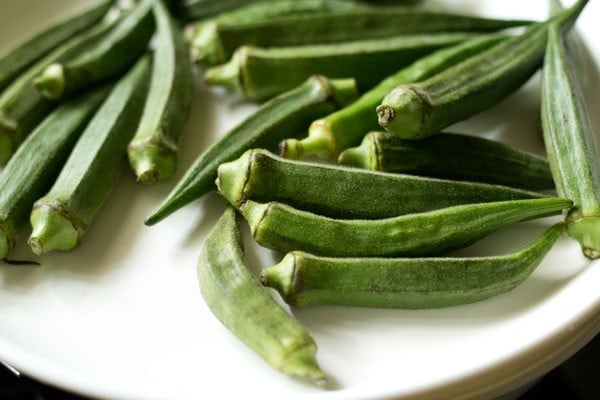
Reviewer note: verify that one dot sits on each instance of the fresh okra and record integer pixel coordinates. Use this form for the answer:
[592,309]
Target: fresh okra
[261,73]
[283,116]
[452,156]
[36,164]
[237,299]
[328,136]
[22,56]
[109,59]
[262,177]
[415,111]
[153,150]
[283,228]
[303,279]
[60,219]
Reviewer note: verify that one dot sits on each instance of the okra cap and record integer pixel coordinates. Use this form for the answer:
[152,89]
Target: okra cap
[402,113]
[51,231]
[51,82]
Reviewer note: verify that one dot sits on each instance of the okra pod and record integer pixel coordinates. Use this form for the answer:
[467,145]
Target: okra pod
[154,148]
[60,219]
[261,73]
[108,60]
[283,116]
[328,136]
[571,145]
[452,156]
[283,228]
[303,279]
[36,164]
[261,176]
[415,111]
[237,299]
[16,60]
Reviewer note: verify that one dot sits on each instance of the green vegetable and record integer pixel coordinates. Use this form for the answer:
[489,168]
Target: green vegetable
[303,279]
[237,299]
[153,150]
[283,116]
[60,219]
[415,111]
[282,228]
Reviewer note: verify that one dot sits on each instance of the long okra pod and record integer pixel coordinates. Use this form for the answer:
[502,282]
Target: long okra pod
[109,59]
[260,176]
[328,136]
[283,228]
[415,111]
[261,73]
[22,56]
[237,299]
[303,279]
[452,156]
[153,150]
[283,116]
[60,219]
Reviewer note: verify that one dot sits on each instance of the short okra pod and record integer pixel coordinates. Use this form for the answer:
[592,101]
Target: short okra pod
[154,148]
[283,228]
[303,279]
[342,192]
[284,116]
[62,216]
[237,299]
[415,111]
[452,156]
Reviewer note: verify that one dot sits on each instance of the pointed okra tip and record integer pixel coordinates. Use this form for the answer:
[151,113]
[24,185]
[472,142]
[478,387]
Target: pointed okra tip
[51,230]
[402,113]
[301,362]
[51,82]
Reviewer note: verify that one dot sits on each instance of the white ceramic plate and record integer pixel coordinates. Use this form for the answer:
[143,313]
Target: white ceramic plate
[121,317]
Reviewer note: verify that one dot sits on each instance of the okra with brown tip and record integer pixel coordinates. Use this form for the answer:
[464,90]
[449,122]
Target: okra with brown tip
[415,111]
[261,73]
[237,299]
[452,156]
[62,216]
[284,116]
[23,55]
[154,148]
[108,60]
[283,228]
[303,279]
[342,192]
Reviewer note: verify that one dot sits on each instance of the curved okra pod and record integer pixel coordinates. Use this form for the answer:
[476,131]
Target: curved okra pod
[415,111]
[109,59]
[452,156]
[303,279]
[22,56]
[60,219]
[260,176]
[282,228]
[328,136]
[153,150]
[283,116]
[237,299]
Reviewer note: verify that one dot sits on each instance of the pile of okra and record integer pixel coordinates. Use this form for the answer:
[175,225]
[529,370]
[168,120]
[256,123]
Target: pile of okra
[346,167]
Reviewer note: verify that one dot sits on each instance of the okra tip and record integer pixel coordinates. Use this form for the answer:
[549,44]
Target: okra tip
[586,230]
[51,230]
[319,142]
[226,75]
[301,362]
[360,156]
[51,82]
[152,164]
[232,177]
[280,276]
[402,112]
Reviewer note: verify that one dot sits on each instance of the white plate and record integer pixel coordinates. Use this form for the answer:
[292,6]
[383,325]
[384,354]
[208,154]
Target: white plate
[121,317]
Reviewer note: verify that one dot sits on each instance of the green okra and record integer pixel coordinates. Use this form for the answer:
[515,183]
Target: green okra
[571,145]
[303,279]
[452,156]
[415,111]
[153,151]
[238,300]
[341,192]
[106,61]
[17,59]
[61,217]
[284,116]
[261,73]
[283,228]
[328,136]
[36,164]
